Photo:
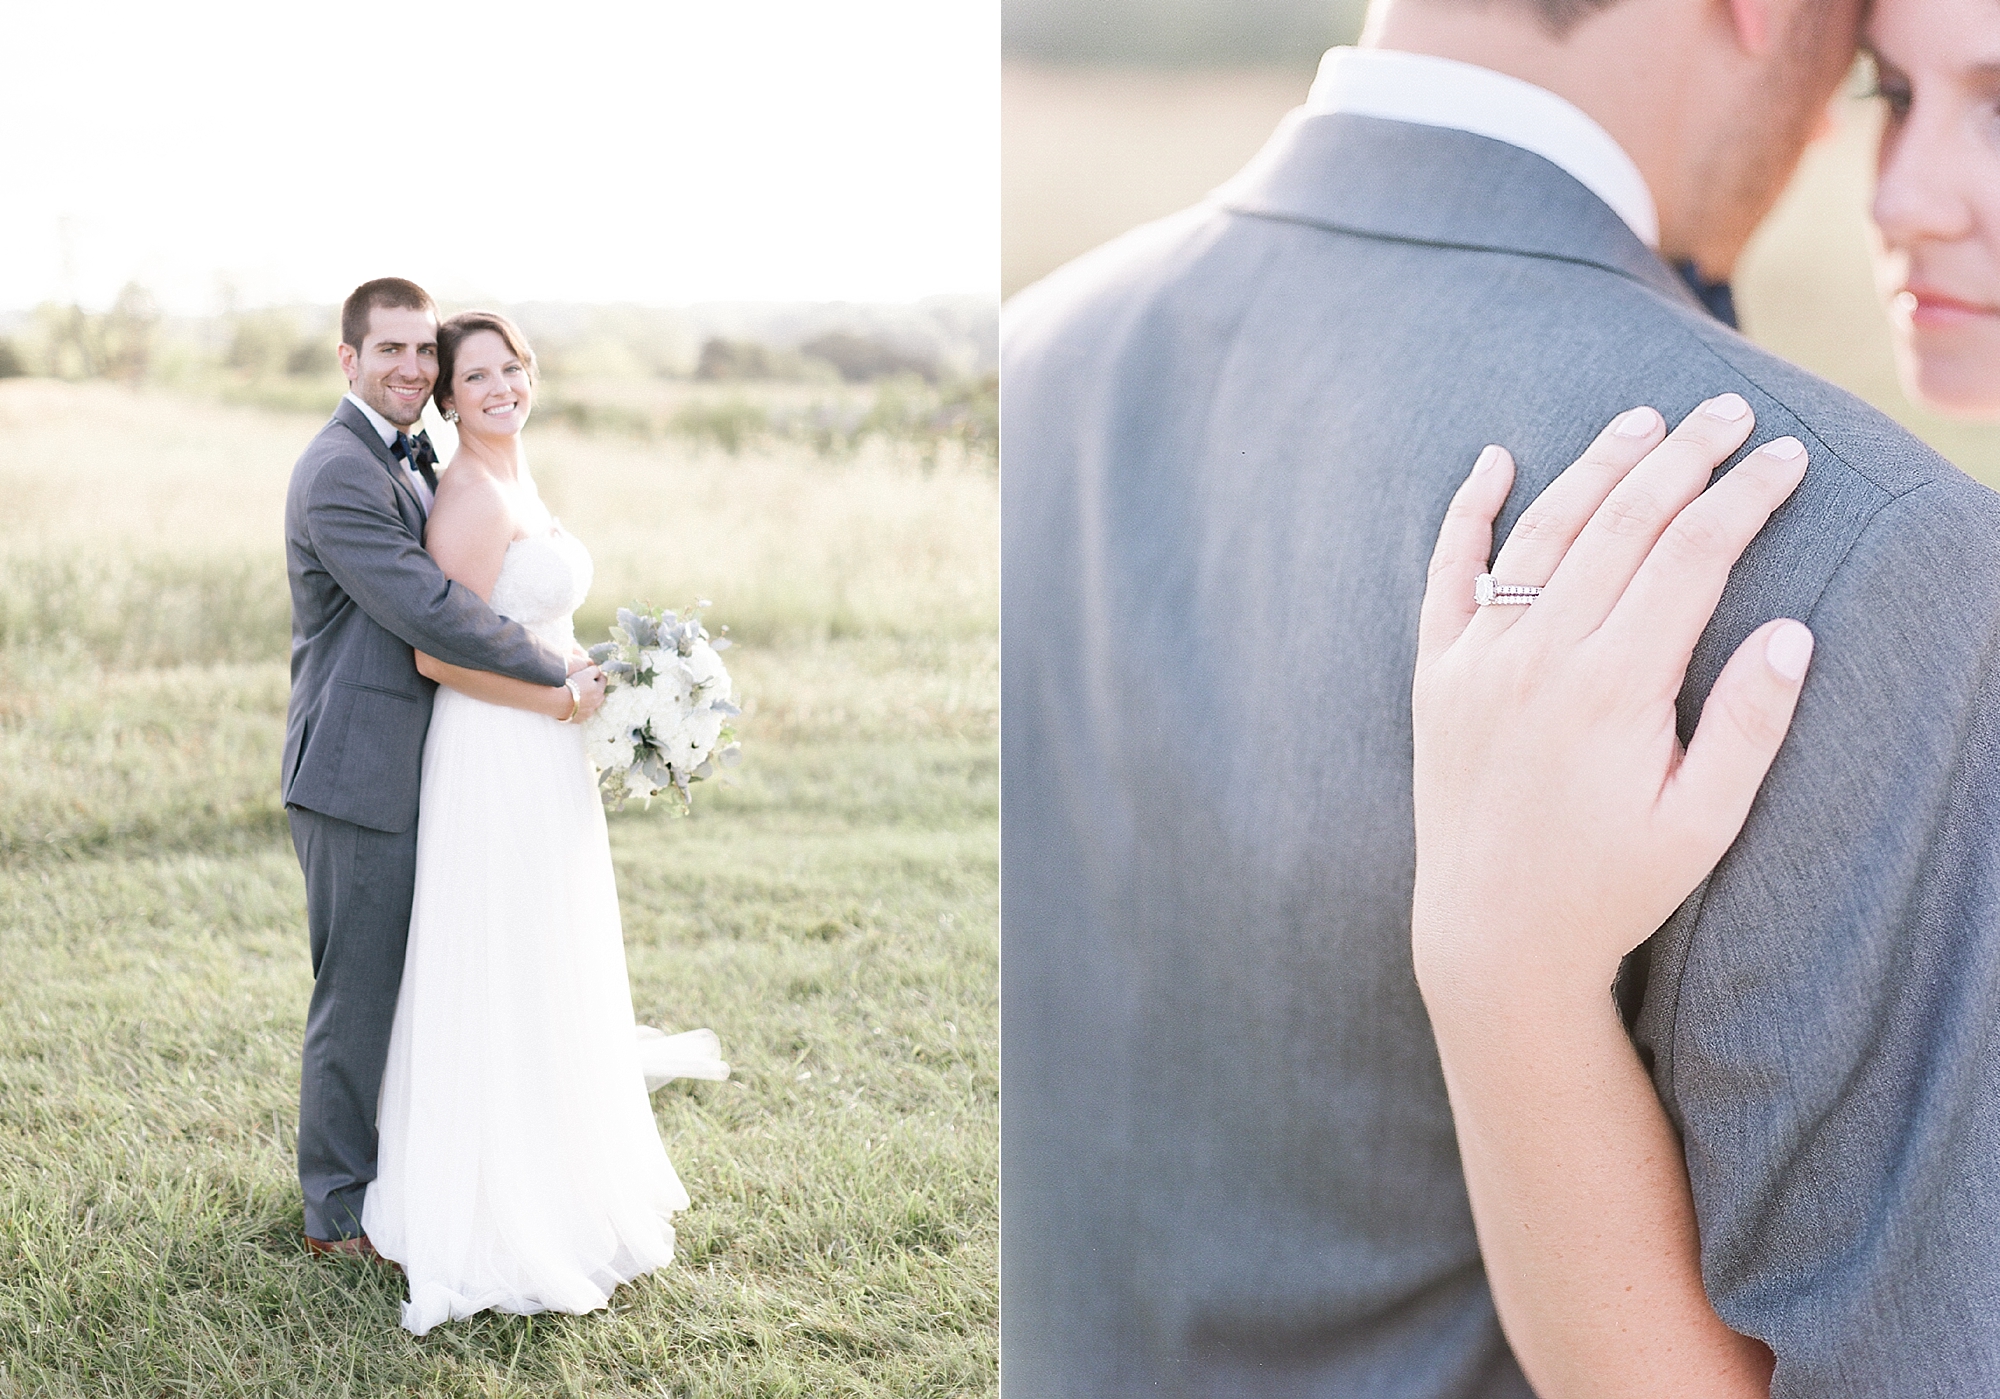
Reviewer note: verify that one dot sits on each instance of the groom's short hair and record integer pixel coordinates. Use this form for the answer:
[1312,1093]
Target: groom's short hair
[390,292]
[1557,17]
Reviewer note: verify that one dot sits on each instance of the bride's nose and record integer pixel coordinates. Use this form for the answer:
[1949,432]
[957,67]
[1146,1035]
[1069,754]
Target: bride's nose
[1921,178]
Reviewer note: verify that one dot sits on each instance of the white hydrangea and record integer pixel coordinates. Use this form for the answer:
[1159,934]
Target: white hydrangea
[703,727]
[705,672]
[608,749]
[687,747]
[673,686]
[625,709]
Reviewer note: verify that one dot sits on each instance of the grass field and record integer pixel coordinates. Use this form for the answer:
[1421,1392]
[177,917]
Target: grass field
[831,915]
[1089,153]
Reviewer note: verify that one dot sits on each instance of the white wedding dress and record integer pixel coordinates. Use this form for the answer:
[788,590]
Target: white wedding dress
[519,1166]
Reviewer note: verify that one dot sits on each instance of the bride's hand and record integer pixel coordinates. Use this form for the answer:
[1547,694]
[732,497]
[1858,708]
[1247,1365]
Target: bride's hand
[1558,821]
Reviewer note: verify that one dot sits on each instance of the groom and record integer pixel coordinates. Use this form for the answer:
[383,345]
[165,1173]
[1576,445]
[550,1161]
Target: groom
[364,593]
[1228,1160]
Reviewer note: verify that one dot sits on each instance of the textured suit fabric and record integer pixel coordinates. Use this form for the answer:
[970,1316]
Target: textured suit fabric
[1228,1161]
[359,884]
[364,593]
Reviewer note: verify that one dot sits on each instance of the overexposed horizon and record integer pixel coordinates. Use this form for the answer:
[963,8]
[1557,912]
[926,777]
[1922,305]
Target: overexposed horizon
[667,153]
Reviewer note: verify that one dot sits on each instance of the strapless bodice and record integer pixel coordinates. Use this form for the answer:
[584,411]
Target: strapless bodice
[543,580]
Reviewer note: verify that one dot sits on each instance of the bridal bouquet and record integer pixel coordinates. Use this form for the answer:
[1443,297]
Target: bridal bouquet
[665,718]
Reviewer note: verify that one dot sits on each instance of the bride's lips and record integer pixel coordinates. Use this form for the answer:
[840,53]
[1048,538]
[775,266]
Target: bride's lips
[1933,310]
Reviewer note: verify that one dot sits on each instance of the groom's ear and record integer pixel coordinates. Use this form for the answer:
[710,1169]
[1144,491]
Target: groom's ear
[347,354]
[1752,22]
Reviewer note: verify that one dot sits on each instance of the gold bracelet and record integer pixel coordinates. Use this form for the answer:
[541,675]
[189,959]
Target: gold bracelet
[575,700]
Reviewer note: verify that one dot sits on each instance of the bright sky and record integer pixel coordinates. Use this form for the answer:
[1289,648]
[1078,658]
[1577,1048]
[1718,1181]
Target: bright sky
[589,150]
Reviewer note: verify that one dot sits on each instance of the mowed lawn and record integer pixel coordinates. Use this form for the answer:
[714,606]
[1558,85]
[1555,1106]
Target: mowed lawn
[831,915]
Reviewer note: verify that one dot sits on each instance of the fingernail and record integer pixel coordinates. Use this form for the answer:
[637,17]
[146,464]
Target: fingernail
[1637,423]
[1730,407]
[1788,650]
[1489,457]
[1783,449]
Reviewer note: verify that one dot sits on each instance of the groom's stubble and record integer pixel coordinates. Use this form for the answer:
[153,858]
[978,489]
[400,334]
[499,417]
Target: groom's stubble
[1746,168]
[1714,100]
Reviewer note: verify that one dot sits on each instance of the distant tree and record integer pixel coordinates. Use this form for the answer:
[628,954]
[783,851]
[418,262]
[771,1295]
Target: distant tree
[734,359]
[127,334]
[1180,33]
[860,358]
[262,342]
[70,341]
[11,365]
[309,357]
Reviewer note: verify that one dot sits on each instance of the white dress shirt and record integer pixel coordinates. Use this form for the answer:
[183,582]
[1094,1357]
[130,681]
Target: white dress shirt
[388,431]
[1430,91]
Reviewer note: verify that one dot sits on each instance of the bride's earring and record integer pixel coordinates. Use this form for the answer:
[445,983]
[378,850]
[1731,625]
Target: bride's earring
[451,415]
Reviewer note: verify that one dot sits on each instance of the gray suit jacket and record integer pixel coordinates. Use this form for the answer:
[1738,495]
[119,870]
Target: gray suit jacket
[1228,1162]
[364,594]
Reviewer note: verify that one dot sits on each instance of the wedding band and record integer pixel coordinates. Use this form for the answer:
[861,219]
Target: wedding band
[1487,593]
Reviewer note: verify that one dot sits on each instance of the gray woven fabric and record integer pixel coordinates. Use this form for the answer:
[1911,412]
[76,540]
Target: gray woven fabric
[1228,1162]
[364,593]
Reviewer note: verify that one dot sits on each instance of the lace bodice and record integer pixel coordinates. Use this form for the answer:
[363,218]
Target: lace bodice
[542,582]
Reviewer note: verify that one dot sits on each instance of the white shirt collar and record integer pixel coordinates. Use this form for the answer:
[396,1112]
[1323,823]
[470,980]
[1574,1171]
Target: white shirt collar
[389,431]
[383,426]
[1431,91]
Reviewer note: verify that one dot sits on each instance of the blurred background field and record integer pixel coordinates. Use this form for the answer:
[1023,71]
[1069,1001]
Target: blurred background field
[830,913]
[1121,111]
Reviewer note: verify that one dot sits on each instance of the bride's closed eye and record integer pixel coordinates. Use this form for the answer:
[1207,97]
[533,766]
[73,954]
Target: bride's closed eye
[1894,92]
[1888,83]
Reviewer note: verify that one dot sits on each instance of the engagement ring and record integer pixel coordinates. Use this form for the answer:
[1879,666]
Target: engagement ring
[1488,593]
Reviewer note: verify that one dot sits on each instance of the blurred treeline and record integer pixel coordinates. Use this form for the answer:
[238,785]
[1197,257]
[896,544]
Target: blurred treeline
[1177,33]
[833,376]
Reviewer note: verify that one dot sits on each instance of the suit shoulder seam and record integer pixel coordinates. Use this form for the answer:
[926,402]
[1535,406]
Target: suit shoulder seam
[1889,493]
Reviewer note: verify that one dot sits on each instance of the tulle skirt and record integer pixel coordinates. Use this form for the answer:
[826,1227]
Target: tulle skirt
[519,1166]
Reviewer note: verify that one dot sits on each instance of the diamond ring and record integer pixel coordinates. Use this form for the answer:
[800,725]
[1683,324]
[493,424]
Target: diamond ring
[1487,593]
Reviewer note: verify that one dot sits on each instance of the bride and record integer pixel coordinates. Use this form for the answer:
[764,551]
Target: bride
[520,1168]
[1576,1175]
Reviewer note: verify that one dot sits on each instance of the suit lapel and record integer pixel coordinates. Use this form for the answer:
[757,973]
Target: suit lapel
[1436,185]
[356,422]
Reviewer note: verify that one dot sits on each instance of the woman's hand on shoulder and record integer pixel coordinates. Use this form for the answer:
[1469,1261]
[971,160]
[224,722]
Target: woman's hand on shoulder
[1559,822]
[470,527]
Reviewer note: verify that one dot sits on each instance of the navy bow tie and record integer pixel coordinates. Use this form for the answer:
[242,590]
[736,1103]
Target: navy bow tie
[419,453]
[1716,296]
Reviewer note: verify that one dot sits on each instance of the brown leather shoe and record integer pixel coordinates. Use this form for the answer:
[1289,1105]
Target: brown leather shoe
[356,1247]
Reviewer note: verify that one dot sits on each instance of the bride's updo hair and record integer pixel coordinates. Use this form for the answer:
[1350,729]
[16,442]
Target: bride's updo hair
[453,333]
